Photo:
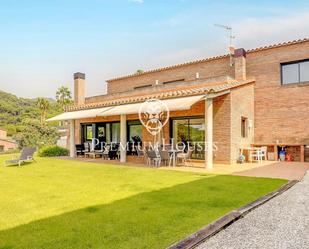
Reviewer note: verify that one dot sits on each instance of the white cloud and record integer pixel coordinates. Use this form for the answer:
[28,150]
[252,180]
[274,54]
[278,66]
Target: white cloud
[201,51]
[137,1]
[179,19]
[252,32]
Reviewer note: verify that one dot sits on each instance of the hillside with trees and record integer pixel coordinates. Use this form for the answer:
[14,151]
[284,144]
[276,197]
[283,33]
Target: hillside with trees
[25,119]
[15,111]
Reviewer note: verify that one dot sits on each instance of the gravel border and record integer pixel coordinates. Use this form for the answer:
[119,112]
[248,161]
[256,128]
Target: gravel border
[210,230]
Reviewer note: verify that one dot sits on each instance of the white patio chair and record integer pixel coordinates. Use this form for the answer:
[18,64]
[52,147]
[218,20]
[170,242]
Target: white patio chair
[185,156]
[256,155]
[263,153]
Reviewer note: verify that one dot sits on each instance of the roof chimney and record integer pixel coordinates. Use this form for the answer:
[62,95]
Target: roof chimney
[240,64]
[231,49]
[79,88]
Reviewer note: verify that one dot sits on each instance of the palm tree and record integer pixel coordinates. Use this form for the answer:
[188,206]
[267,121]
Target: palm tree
[43,105]
[63,96]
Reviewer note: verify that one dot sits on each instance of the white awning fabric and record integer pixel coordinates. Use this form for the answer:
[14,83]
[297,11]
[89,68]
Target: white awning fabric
[91,113]
[184,103]
[175,104]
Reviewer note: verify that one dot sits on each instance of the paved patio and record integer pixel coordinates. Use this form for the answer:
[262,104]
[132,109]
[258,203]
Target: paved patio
[284,170]
[222,169]
[269,169]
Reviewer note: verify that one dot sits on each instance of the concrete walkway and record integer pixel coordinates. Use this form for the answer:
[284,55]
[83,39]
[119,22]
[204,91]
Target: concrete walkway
[283,223]
[269,169]
[283,170]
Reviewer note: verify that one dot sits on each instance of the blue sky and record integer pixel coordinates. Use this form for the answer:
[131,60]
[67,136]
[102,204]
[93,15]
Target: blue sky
[44,42]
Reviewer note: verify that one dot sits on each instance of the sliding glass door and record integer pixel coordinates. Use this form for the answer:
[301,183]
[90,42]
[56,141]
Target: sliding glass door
[100,132]
[134,131]
[86,133]
[181,130]
[104,132]
[190,131]
[115,132]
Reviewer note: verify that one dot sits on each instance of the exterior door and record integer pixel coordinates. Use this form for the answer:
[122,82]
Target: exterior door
[190,131]
[101,132]
[86,133]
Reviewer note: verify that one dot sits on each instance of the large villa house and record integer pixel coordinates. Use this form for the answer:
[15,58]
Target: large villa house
[256,97]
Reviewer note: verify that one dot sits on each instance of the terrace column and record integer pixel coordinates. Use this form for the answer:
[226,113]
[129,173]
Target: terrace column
[302,153]
[123,138]
[209,133]
[94,136]
[72,138]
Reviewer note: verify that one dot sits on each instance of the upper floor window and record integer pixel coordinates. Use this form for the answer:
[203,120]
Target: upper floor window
[173,81]
[295,72]
[140,87]
[244,127]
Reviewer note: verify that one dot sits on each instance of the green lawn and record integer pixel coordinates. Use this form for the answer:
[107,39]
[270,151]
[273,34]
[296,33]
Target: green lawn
[68,204]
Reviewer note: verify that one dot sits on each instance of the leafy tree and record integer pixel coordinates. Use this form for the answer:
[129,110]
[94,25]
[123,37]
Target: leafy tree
[63,97]
[44,106]
[14,111]
[139,71]
[35,135]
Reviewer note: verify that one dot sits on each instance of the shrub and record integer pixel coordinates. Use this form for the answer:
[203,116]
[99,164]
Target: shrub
[53,151]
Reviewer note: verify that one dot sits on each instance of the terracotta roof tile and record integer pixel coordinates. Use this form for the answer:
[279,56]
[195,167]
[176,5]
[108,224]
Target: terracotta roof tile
[188,91]
[169,67]
[277,45]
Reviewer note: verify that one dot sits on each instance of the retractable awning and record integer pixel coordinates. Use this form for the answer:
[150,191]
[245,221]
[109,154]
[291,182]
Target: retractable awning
[176,104]
[183,103]
[91,113]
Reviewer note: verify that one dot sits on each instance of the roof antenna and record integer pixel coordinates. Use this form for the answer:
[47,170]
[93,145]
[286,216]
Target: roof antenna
[229,31]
